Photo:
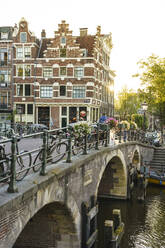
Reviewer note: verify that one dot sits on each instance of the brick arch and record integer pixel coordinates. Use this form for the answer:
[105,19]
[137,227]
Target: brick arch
[113,176]
[51,226]
[27,209]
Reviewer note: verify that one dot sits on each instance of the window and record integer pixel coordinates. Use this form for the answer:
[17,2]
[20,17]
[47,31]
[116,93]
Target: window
[19,52]
[78,71]
[47,72]
[5,76]
[27,89]
[20,108]
[4,36]
[78,92]
[27,70]
[46,91]
[64,111]
[27,52]
[23,89]
[20,70]
[30,109]
[62,71]
[84,52]
[62,90]
[23,70]
[63,52]
[5,55]
[23,37]
[23,52]
[20,90]
[63,40]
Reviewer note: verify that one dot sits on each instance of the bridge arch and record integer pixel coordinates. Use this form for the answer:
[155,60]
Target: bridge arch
[50,197]
[136,158]
[113,176]
[51,226]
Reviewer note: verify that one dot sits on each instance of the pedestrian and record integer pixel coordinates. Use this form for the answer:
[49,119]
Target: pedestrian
[103,118]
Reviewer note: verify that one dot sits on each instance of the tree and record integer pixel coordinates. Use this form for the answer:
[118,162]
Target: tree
[152,78]
[127,103]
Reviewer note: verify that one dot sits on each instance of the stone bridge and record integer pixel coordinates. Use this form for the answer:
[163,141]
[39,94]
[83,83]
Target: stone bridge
[46,210]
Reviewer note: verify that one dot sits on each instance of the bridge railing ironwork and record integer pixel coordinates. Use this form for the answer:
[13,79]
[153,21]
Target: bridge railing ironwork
[22,155]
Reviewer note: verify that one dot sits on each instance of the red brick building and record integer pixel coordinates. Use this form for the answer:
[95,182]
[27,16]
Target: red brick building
[5,75]
[62,79]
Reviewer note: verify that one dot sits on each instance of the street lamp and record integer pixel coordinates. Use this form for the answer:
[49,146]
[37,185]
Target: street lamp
[144,108]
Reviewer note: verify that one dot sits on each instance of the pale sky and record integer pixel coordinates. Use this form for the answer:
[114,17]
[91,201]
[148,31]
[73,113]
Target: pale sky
[137,26]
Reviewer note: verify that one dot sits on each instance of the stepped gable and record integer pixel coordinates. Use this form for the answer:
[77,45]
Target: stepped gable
[51,47]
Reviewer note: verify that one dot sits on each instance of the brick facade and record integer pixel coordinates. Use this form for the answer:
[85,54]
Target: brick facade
[66,73]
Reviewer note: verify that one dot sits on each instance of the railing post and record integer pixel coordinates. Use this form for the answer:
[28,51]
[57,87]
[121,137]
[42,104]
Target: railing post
[107,136]
[43,167]
[119,135]
[12,184]
[85,145]
[97,137]
[69,155]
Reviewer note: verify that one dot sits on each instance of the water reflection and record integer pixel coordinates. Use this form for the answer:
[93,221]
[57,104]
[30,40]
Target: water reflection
[144,221]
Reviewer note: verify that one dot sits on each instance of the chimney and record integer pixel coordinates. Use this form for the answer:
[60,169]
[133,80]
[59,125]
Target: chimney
[43,33]
[83,31]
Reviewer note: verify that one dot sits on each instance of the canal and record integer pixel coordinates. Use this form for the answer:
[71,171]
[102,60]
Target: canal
[144,221]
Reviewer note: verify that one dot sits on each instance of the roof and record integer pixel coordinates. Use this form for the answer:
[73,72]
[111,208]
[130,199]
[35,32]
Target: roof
[7,29]
[87,42]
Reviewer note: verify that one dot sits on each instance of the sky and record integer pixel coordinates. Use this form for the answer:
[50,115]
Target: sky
[137,27]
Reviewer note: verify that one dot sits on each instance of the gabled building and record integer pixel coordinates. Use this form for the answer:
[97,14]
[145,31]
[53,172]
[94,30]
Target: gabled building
[63,79]
[26,47]
[6,90]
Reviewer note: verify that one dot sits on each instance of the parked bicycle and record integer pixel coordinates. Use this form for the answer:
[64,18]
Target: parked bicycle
[56,150]
[23,162]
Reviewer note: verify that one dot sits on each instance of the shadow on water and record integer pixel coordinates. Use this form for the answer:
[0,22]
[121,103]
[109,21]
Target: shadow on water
[144,221]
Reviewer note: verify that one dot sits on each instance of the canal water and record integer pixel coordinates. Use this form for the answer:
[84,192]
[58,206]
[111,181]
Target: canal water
[144,221]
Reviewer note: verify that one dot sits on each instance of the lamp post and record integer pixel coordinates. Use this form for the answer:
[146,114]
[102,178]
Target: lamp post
[144,108]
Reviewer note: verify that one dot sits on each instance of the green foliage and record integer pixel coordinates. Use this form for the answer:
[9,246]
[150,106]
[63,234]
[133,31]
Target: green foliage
[152,78]
[127,103]
[82,128]
[139,120]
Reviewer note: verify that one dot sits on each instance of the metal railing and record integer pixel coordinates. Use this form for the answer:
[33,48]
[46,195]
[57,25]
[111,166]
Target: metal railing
[51,146]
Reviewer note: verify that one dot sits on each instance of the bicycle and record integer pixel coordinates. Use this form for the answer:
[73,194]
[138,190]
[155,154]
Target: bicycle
[55,151]
[5,162]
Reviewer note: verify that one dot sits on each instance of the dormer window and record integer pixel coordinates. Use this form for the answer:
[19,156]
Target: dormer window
[63,40]
[4,36]
[23,37]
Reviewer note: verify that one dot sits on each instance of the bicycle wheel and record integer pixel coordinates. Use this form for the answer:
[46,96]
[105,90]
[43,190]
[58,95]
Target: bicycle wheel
[57,152]
[24,164]
[4,171]
[38,162]
[77,147]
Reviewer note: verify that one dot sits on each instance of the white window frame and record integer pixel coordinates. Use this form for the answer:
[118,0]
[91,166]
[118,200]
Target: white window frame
[47,72]
[23,68]
[79,72]
[63,38]
[23,52]
[63,75]
[23,41]
[23,94]
[4,36]
[46,89]
[78,95]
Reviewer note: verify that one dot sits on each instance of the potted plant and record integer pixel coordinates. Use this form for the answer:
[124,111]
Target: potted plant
[125,124]
[112,122]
